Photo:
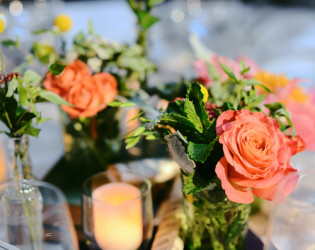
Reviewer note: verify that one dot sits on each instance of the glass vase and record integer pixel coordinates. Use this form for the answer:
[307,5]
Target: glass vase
[214,222]
[21,201]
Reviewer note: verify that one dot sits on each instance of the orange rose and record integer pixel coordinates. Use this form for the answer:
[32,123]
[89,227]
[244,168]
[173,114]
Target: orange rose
[90,95]
[72,74]
[256,155]
[107,84]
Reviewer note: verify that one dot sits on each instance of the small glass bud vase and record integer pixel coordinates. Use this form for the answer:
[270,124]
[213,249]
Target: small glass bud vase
[21,201]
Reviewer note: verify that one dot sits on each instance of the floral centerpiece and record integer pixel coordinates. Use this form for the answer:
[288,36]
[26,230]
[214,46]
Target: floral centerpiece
[89,72]
[230,147]
[21,200]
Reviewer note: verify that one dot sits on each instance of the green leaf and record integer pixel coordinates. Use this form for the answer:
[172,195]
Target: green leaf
[229,72]
[133,4]
[11,43]
[12,87]
[121,104]
[145,120]
[134,118]
[278,110]
[146,20]
[56,68]
[195,183]
[192,115]
[132,141]
[253,82]
[256,103]
[195,95]
[91,27]
[244,69]
[23,96]
[151,137]
[30,77]
[139,131]
[177,121]
[153,3]
[53,97]
[41,31]
[200,152]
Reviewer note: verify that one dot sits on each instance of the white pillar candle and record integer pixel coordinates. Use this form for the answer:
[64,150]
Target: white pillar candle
[117,216]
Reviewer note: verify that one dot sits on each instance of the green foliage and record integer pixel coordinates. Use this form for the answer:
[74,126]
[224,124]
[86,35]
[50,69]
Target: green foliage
[142,10]
[56,68]
[279,111]
[229,72]
[146,20]
[11,43]
[18,99]
[194,183]
[121,104]
[153,3]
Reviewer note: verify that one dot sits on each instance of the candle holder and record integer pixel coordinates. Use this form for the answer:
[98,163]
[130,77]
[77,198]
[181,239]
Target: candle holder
[117,211]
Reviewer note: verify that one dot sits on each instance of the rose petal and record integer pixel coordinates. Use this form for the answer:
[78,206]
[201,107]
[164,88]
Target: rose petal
[233,192]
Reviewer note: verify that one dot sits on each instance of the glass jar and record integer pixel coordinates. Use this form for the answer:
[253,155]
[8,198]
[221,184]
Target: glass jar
[214,222]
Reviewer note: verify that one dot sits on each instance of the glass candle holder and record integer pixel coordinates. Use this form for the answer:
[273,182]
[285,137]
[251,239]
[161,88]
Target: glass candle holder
[117,211]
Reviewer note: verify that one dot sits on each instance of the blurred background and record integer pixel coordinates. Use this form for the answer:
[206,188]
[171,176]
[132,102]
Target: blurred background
[278,34]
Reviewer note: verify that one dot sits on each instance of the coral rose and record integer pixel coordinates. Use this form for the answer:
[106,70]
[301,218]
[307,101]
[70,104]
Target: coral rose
[71,74]
[90,95]
[256,155]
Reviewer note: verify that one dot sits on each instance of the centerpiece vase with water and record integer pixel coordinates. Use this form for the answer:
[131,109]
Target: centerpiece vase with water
[21,201]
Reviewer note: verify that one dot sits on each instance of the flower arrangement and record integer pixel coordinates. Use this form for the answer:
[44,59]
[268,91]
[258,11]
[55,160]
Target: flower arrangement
[89,72]
[230,146]
[299,102]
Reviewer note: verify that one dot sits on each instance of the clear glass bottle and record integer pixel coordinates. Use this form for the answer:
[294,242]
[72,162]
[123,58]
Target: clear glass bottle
[21,201]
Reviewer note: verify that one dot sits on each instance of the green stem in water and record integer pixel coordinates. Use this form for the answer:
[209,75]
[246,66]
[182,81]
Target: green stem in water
[19,176]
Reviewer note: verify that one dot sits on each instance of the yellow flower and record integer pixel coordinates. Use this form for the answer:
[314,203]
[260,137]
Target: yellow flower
[277,83]
[63,22]
[205,93]
[2,27]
